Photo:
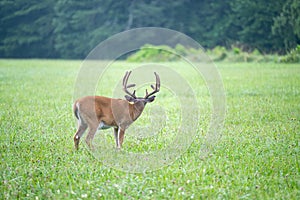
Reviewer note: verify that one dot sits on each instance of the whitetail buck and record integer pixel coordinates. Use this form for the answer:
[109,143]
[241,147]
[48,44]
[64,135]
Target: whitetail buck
[98,112]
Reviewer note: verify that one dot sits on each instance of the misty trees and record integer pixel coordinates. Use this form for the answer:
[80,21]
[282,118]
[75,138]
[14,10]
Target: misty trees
[70,29]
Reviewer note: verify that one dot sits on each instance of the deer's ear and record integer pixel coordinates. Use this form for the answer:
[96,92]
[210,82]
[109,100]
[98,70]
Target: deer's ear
[150,99]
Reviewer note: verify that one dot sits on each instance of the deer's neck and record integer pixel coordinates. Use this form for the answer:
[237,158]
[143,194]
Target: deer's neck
[137,110]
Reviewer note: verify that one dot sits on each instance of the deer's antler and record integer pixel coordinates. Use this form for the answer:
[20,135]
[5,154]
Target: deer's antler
[155,89]
[125,86]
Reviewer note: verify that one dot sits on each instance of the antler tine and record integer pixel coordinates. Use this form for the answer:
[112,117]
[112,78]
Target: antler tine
[146,92]
[157,80]
[156,88]
[125,78]
[125,86]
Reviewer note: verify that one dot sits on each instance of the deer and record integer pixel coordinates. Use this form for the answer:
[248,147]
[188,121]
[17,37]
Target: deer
[99,112]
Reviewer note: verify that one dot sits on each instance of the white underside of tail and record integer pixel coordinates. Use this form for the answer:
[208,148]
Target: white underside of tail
[78,113]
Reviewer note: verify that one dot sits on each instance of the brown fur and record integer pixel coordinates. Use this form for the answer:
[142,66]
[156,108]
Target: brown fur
[116,113]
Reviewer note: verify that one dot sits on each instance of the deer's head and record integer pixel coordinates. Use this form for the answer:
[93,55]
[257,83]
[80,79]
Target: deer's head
[132,98]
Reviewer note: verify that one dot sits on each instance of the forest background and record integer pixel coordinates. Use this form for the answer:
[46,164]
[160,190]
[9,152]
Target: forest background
[70,29]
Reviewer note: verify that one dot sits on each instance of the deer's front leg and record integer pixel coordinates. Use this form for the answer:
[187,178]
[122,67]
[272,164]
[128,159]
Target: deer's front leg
[116,130]
[119,136]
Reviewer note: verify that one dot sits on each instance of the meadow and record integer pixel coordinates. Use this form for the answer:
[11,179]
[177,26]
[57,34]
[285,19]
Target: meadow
[256,156]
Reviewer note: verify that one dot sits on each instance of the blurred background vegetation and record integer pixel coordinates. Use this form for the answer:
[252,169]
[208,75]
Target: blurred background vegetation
[70,29]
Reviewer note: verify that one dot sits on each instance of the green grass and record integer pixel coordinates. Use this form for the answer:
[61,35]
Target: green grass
[257,156]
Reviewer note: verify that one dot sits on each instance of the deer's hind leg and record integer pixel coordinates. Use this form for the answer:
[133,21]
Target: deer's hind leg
[91,134]
[80,130]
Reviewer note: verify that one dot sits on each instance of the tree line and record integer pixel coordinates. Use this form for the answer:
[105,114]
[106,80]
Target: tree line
[72,28]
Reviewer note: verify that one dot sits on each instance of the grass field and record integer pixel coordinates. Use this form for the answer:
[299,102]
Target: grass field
[257,156]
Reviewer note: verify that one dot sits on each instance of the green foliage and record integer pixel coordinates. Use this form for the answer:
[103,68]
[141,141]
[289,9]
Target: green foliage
[71,29]
[252,21]
[81,25]
[235,54]
[287,24]
[26,29]
[218,53]
[181,50]
[154,54]
[151,53]
[256,52]
[163,53]
[236,50]
[257,156]
[292,57]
